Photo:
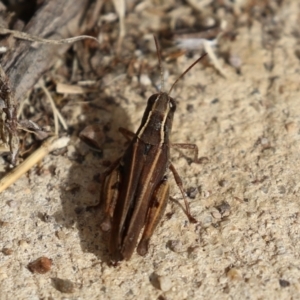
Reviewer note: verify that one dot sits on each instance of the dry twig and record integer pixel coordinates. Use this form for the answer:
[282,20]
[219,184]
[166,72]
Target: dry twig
[48,146]
[56,114]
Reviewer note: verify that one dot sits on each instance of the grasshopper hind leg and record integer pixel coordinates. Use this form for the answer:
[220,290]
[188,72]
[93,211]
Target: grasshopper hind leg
[110,193]
[110,186]
[156,210]
[180,185]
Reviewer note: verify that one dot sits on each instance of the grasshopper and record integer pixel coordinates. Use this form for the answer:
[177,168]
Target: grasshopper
[135,188]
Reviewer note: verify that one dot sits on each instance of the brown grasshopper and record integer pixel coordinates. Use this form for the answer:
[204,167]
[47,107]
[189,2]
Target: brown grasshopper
[135,189]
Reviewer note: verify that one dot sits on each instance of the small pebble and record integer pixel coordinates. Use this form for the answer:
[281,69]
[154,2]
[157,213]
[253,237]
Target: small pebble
[234,274]
[206,221]
[223,183]
[206,194]
[284,283]
[41,265]
[190,108]
[46,218]
[23,244]
[12,203]
[3,275]
[3,223]
[7,251]
[63,285]
[264,189]
[175,245]
[216,214]
[235,61]
[281,189]
[192,192]
[291,127]
[203,160]
[145,80]
[72,154]
[224,209]
[165,283]
[60,235]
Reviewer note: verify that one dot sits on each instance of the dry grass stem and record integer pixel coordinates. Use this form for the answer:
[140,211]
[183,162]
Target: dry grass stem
[120,8]
[209,50]
[28,37]
[48,146]
[62,88]
[57,115]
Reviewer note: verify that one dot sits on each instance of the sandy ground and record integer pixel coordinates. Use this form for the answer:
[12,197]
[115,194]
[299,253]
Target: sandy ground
[247,125]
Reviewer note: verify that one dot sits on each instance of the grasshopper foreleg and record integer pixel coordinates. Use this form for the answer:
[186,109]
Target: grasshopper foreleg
[193,147]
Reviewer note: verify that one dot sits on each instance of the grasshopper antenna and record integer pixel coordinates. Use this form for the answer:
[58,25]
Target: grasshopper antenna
[162,87]
[190,67]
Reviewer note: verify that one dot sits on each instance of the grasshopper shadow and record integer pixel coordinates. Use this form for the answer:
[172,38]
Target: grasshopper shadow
[81,191]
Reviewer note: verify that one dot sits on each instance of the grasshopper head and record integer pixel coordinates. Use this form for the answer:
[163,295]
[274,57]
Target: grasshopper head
[157,119]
